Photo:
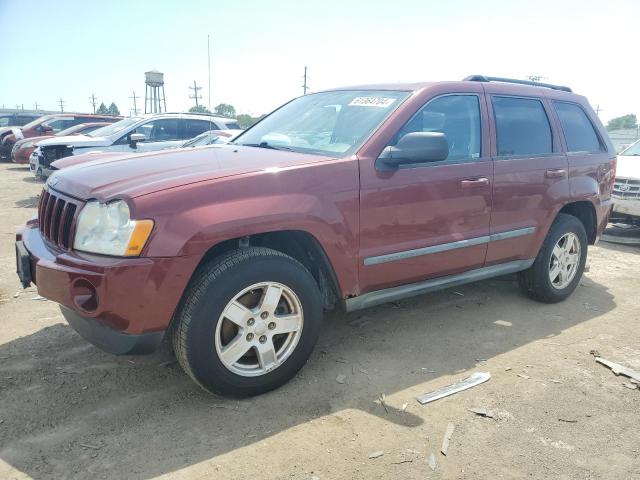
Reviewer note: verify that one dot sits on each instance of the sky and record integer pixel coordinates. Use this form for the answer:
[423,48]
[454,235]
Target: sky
[72,49]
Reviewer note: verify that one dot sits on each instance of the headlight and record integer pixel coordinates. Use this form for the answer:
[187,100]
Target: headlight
[27,145]
[107,229]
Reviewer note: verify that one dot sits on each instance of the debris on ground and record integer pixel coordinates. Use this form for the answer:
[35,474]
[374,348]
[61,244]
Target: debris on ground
[595,353]
[341,378]
[619,369]
[631,386]
[568,420]
[341,360]
[433,464]
[382,397]
[404,406]
[16,295]
[481,412]
[447,437]
[39,298]
[522,375]
[553,380]
[87,445]
[475,379]
[377,454]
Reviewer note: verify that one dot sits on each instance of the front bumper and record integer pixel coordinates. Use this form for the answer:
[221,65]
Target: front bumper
[626,206]
[122,305]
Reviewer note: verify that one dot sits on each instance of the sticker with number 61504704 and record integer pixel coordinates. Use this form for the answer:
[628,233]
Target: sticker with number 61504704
[382,102]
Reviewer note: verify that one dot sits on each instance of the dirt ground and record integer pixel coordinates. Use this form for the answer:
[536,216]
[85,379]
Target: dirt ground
[70,411]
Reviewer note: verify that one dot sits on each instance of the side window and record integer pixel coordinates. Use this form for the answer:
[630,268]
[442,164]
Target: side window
[60,124]
[522,126]
[163,130]
[192,128]
[457,116]
[578,129]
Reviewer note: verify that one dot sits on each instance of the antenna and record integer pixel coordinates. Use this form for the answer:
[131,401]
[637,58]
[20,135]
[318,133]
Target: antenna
[93,99]
[195,89]
[61,103]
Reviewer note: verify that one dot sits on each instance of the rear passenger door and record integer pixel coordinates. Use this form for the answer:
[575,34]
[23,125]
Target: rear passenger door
[530,175]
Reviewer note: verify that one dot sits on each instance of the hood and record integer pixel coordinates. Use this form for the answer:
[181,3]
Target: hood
[32,139]
[77,141]
[86,157]
[140,174]
[628,167]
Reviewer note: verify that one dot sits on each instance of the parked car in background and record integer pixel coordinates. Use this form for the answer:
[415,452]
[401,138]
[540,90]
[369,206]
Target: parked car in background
[17,119]
[211,137]
[47,125]
[136,134]
[352,197]
[22,149]
[626,190]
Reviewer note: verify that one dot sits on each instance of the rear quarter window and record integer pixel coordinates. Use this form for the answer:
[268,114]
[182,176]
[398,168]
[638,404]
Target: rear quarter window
[522,126]
[578,130]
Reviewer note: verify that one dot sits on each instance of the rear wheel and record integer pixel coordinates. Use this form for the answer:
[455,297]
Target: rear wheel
[558,268]
[248,322]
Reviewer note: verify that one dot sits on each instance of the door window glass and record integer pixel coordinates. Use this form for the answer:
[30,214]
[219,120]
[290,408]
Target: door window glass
[457,116]
[522,126]
[162,130]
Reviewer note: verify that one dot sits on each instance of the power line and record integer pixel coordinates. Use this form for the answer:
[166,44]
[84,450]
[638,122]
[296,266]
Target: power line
[305,87]
[93,102]
[195,89]
[61,103]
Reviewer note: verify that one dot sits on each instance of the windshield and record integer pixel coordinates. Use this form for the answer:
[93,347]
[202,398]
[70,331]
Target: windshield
[114,127]
[328,123]
[38,121]
[633,150]
[4,121]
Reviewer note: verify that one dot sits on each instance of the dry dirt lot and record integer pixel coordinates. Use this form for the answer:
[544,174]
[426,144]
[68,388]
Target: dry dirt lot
[70,411]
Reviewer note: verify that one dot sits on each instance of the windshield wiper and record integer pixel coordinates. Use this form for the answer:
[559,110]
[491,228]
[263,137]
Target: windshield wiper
[266,145]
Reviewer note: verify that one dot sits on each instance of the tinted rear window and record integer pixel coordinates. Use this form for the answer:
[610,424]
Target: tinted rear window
[522,126]
[578,129]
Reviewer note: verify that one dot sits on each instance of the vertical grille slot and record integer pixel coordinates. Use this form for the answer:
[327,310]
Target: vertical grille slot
[55,218]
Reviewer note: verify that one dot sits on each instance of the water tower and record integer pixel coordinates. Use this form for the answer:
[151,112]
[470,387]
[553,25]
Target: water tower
[154,92]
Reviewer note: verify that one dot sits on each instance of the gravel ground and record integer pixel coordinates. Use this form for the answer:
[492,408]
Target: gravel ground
[68,410]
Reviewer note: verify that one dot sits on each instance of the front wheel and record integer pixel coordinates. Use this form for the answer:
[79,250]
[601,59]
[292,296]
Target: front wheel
[557,270]
[248,322]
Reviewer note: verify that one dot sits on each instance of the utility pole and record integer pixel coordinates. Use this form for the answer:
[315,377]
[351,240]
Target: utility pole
[61,102]
[209,71]
[305,87]
[598,110]
[93,102]
[195,95]
[135,105]
[35,105]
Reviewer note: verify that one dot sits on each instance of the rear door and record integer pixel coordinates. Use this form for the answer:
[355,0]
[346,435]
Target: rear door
[530,174]
[430,219]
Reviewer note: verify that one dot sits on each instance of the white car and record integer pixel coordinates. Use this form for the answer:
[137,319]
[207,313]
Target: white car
[626,190]
[136,134]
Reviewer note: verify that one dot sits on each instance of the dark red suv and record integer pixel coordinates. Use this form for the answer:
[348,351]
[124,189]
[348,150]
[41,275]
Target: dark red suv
[351,197]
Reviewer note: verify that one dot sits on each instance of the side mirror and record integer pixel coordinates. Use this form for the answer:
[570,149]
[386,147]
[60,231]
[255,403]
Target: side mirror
[414,147]
[44,128]
[134,138]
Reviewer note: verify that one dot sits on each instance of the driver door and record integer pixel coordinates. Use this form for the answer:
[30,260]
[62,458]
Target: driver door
[429,219]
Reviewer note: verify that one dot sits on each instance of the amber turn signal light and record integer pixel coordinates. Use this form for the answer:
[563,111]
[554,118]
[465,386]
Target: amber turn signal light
[139,237]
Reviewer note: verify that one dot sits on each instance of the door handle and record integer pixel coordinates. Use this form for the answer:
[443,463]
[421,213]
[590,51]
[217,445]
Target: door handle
[555,173]
[474,182]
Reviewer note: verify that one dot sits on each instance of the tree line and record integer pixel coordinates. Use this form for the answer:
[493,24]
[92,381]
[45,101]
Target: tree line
[227,110]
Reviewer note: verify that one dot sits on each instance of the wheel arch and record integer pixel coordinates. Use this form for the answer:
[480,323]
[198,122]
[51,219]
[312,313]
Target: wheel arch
[586,213]
[298,244]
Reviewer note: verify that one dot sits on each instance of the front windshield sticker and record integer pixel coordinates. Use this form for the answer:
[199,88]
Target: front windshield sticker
[382,102]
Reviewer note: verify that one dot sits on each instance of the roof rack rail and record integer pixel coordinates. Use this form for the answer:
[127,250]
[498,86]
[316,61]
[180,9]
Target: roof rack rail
[482,78]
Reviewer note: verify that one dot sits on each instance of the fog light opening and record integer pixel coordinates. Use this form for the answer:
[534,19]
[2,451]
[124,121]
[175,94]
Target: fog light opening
[85,296]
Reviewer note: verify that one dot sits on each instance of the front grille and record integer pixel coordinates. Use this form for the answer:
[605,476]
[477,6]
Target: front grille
[56,217]
[626,188]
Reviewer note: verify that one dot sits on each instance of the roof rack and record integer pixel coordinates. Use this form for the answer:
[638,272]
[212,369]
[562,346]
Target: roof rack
[482,78]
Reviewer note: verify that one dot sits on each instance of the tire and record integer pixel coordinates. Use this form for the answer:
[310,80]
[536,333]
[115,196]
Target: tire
[536,281]
[200,328]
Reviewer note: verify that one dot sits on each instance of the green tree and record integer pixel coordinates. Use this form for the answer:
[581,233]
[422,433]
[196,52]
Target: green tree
[113,109]
[626,121]
[199,109]
[225,110]
[245,121]
[102,109]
